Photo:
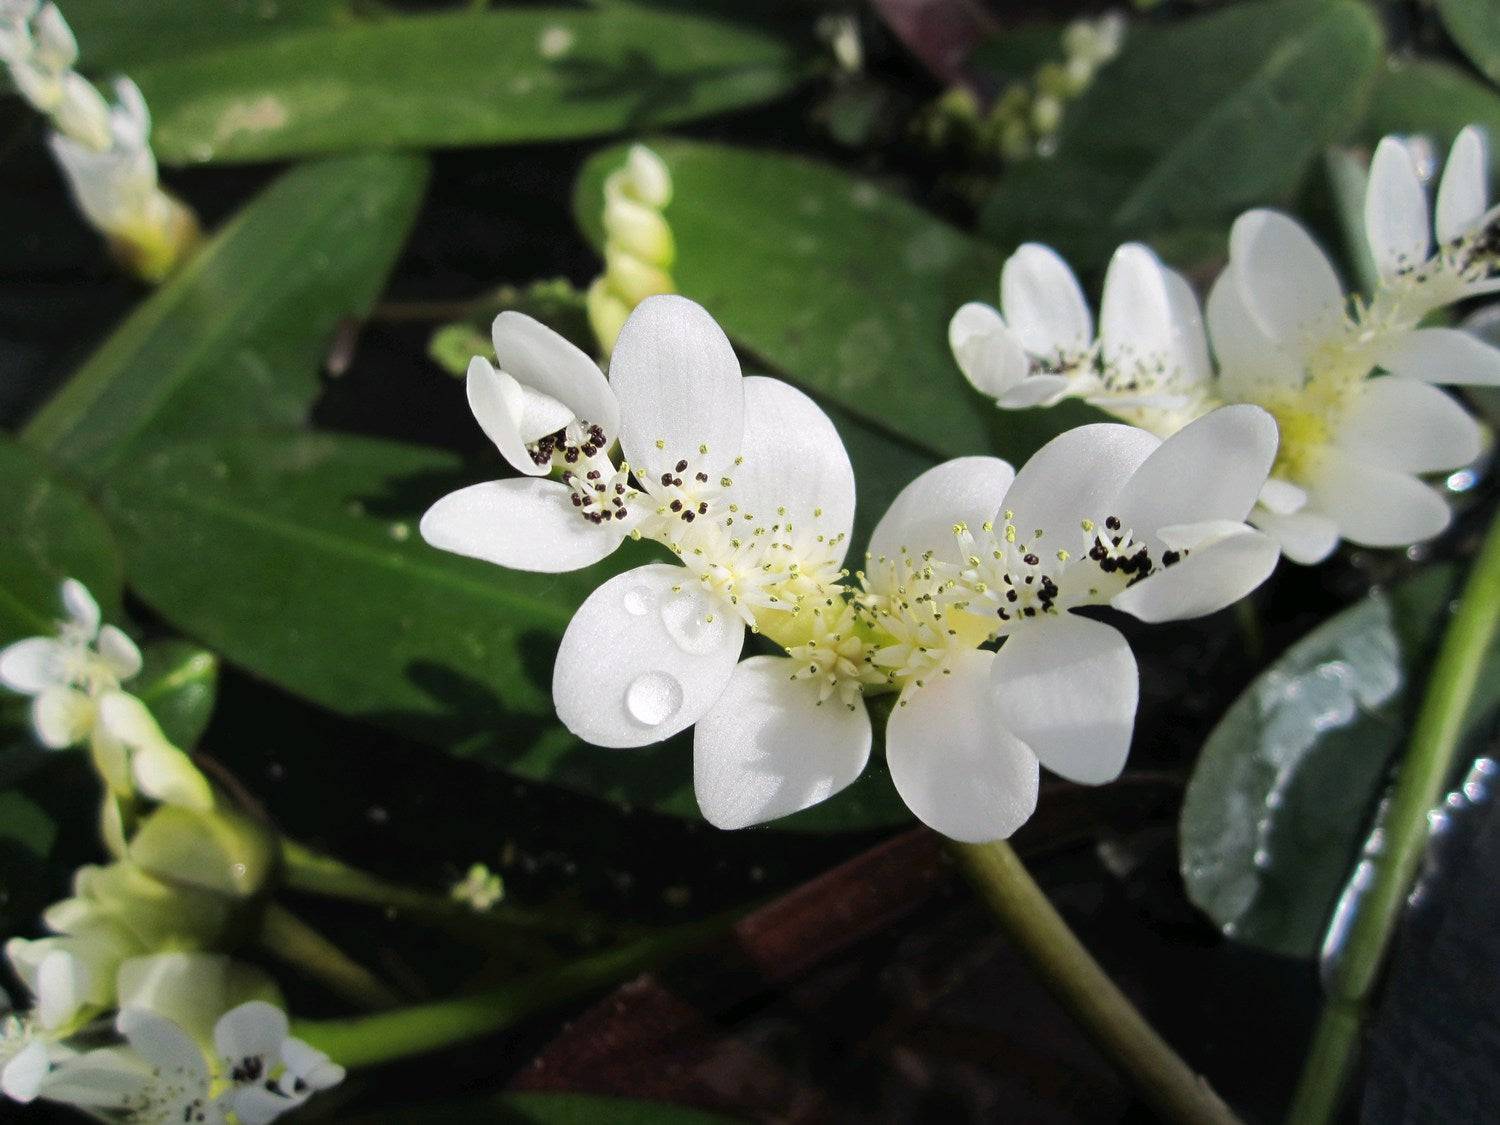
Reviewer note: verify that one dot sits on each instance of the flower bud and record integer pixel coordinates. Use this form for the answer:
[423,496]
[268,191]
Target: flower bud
[223,852]
[639,231]
[645,177]
[633,279]
[56,47]
[607,312]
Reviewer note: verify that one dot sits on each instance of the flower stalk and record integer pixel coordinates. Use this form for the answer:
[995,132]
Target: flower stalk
[294,941]
[421,1028]
[1083,987]
[1435,743]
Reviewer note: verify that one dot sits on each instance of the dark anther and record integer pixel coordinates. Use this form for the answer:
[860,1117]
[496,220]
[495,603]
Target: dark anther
[701,478]
[676,505]
[1031,560]
[593,474]
[687,517]
[666,478]
[703,507]
[1168,558]
[682,466]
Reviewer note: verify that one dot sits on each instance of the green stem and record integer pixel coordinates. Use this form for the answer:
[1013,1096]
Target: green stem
[314,873]
[1424,774]
[1083,987]
[297,943]
[415,1030]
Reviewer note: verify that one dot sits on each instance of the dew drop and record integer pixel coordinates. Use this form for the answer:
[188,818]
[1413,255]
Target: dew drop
[653,698]
[638,601]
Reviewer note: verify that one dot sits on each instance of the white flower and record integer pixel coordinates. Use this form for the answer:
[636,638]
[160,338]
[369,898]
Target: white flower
[744,480]
[27,1054]
[74,679]
[1288,338]
[66,674]
[1102,515]
[72,977]
[187,1058]
[1149,363]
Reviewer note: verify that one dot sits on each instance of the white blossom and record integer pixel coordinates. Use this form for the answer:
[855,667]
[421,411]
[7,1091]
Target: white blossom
[1354,442]
[74,679]
[971,552]
[743,480]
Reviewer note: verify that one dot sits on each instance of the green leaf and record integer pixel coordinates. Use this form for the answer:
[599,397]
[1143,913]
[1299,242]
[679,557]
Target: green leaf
[547,1109]
[1196,119]
[48,532]
[25,823]
[842,287]
[178,682]
[461,78]
[113,36]
[1432,98]
[1475,27]
[1282,796]
[235,341]
[297,558]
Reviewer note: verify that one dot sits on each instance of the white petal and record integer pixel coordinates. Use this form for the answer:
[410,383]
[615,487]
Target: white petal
[1211,469]
[1191,336]
[1410,426]
[109,1078]
[678,383]
[119,653]
[62,717]
[82,609]
[539,358]
[1378,507]
[1305,536]
[956,767]
[987,352]
[641,660]
[1397,225]
[1286,282]
[1043,303]
[163,1044]
[311,1065]
[1136,329]
[1250,361]
[794,459]
[164,773]
[252,1030]
[499,405]
[525,524]
[1067,687]
[1205,581]
[1076,476]
[768,748]
[34,664]
[64,984]
[921,518]
[1035,390]
[1282,497]
[1442,355]
[1463,195]
[259,1105]
[22,1075]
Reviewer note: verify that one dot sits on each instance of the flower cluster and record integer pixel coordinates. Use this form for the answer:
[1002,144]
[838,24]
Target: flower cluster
[1026,117]
[1348,380]
[746,483]
[74,679]
[135,937]
[638,245]
[104,150]
[201,1041]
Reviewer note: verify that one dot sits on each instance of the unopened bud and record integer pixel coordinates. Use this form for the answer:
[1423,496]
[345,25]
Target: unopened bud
[223,852]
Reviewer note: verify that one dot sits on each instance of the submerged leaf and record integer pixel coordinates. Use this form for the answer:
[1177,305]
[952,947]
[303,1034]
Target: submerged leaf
[48,532]
[459,78]
[236,340]
[1284,791]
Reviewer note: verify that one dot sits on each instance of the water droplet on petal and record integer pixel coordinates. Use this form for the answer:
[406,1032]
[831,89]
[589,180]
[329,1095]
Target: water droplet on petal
[652,698]
[696,623]
[638,600]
